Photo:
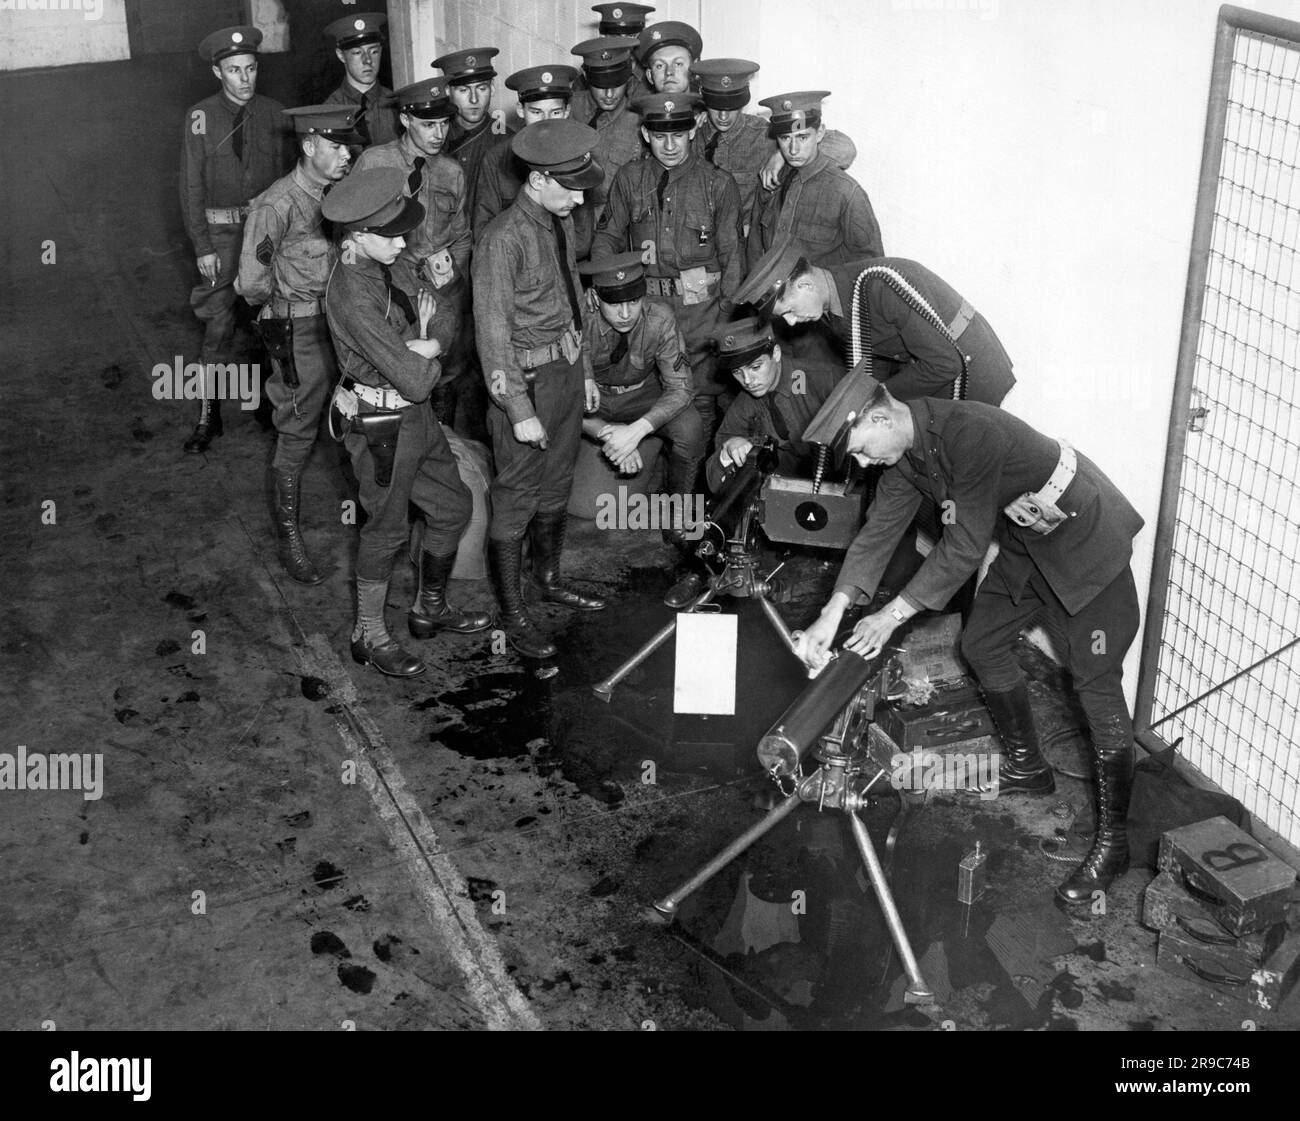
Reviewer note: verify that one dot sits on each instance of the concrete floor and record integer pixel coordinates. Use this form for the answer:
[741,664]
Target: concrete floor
[473,848]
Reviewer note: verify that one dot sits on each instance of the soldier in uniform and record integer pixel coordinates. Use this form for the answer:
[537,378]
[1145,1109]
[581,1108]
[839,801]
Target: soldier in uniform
[604,103]
[545,94]
[359,44]
[666,51]
[814,201]
[740,142]
[920,333]
[388,331]
[1065,536]
[469,75]
[530,322]
[638,357]
[684,216]
[283,268]
[232,148]
[438,248]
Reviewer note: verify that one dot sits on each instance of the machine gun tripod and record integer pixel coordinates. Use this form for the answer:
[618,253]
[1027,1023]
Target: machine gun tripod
[729,538]
[847,690]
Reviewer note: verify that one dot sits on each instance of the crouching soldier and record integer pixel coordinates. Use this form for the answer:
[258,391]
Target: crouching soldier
[284,267]
[639,360]
[388,332]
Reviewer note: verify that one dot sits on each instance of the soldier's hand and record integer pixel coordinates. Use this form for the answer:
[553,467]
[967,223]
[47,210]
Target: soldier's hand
[871,634]
[621,440]
[425,348]
[209,267]
[426,305]
[592,391]
[771,170]
[735,451]
[813,646]
[631,464]
[532,432]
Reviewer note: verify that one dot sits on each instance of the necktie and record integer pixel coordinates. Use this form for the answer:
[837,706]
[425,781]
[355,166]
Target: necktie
[400,298]
[711,148]
[660,188]
[619,352]
[778,421]
[562,252]
[787,177]
[237,133]
[416,179]
[363,121]
[594,118]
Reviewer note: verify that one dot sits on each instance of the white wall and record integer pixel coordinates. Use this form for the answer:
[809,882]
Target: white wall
[61,32]
[1042,157]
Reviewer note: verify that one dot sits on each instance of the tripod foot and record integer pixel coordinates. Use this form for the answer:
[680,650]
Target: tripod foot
[603,692]
[916,994]
[663,913]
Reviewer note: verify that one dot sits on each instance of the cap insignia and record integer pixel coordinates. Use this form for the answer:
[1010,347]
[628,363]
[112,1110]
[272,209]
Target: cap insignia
[726,81]
[787,105]
[237,37]
[620,275]
[546,77]
[730,340]
[617,13]
[359,24]
[604,56]
[470,60]
[669,106]
[656,35]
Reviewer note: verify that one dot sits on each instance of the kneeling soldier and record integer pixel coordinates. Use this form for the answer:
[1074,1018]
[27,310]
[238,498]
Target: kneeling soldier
[388,332]
[1065,534]
[284,266]
[639,360]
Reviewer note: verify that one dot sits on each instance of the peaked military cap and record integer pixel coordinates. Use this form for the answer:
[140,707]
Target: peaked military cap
[541,83]
[561,149]
[373,200]
[669,33]
[791,111]
[333,122]
[770,274]
[622,19]
[606,61]
[739,343]
[426,100]
[668,112]
[357,30]
[474,64]
[724,82]
[618,278]
[846,403]
[230,41]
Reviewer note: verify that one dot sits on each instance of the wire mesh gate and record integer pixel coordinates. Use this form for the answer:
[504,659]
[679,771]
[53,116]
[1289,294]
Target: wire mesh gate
[1221,653]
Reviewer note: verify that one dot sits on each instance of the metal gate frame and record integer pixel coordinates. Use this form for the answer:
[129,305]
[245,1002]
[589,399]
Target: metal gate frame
[1182,413]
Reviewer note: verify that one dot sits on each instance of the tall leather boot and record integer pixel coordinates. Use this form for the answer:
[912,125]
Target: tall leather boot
[505,559]
[546,535]
[293,550]
[431,612]
[371,643]
[1023,768]
[208,428]
[1109,855]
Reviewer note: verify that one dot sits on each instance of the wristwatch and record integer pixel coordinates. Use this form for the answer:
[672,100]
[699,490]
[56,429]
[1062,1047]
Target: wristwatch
[898,615]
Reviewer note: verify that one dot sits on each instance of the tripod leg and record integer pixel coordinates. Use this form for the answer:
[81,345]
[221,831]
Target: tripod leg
[667,906]
[605,689]
[774,617]
[918,992]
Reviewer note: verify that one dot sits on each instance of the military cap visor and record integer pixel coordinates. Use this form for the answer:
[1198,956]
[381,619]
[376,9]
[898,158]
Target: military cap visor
[668,112]
[669,33]
[607,61]
[739,343]
[426,100]
[357,30]
[616,279]
[834,421]
[333,122]
[230,41]
[374,201]
[561,149]
[474,64]
[769,276]
[622,19]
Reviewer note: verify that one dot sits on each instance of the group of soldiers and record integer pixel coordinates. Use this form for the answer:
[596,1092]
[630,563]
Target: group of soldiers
[639,255]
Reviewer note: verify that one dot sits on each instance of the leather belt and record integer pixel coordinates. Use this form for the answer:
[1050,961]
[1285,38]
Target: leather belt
[387,399]
[663,286]
[1037,510]
[296,309]
[616,390]
[225,216]
[553,351]
[962,320]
